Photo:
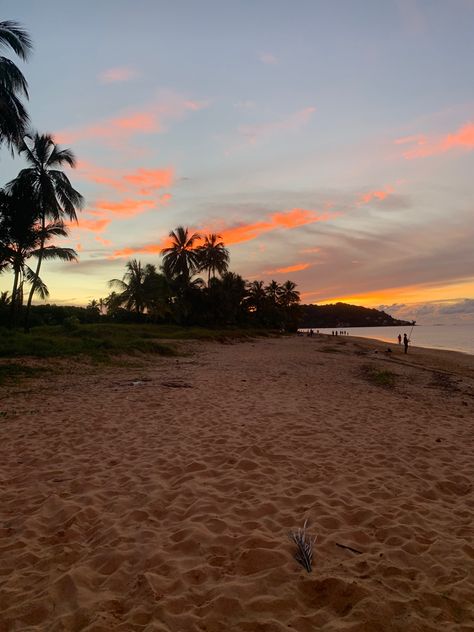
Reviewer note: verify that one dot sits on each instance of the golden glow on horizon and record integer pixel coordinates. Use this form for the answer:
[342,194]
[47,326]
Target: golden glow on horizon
[409,294]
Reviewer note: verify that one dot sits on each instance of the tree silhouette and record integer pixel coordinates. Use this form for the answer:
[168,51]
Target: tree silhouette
[13,85]
[181,259]
[25,237]
[213,256]
[49,187]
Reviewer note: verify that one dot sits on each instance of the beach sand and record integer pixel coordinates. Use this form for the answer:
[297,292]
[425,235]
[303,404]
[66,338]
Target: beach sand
[159,497]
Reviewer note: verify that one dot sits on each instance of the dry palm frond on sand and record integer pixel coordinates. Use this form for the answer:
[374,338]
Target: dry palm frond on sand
[304,544]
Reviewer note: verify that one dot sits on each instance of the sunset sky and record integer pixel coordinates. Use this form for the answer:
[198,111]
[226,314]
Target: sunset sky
[331,143]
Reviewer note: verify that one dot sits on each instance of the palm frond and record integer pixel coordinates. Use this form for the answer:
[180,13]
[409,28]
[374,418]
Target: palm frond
[12,34]
[41,288]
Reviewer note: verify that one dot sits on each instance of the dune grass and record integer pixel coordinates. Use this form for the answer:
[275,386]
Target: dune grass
[379,377]
[15,373]
[100,341]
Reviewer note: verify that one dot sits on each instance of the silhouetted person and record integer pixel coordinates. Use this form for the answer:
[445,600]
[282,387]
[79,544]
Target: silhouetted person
[399,339]
[405,342]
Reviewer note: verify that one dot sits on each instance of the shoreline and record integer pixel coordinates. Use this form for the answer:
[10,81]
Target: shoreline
[392,342]
[160,496]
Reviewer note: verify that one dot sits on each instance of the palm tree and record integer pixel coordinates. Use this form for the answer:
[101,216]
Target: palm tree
[181,260]
[289,300]
[214,256]
[13,116]
[53,193]
[289,296]
[131,287]
[25,238]
[273,290]
[256,297]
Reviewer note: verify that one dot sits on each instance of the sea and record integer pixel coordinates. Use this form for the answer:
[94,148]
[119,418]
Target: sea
[449,337]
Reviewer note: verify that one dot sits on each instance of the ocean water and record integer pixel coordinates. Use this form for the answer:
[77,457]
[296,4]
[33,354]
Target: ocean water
[452,337]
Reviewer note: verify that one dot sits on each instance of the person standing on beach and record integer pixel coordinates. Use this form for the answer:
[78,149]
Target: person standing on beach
[399,339]
[405,342]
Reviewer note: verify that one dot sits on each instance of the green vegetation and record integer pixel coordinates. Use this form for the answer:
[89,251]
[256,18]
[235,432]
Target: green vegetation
[101,341]
[379,377]
[13,372]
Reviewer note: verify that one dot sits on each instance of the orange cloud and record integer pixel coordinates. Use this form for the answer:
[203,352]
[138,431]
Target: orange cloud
[151,249]
[121,73]
[104,242]
[381,194]
[94,225]
[126,208]
[289,219]
[463,138]
[147,180]
[294,268]
[142,181]
[149,120]
[244,232]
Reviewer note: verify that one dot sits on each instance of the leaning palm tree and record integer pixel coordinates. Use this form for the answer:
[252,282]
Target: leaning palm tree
[131,288]
[26,238]
[214,256]
[13,85]
[50,188]
[181,259]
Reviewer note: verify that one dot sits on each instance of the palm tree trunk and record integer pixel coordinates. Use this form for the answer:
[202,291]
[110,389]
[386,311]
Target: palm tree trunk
[14,299]
[35,280]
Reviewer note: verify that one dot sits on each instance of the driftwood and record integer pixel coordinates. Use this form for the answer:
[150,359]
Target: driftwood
[349,548]
[304,544]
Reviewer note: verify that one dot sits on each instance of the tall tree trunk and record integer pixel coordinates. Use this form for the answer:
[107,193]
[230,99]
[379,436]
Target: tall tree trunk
[35,280]
[14,299]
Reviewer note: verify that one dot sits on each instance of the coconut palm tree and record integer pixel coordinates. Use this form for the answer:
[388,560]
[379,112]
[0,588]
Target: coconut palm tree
[256,297]
[26,237]
[13,85]
[272,291]
[181,260]
[289,296]
[131,288]
[53,193]
[214,256]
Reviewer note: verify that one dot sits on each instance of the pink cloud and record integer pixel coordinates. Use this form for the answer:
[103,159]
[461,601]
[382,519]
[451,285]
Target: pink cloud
[369,196]
[118,74]
[126,208]
[141,181]
[104,242]
[293,122]
[148,180]
[267,58]
[423,146]
[151,119]
[94,225]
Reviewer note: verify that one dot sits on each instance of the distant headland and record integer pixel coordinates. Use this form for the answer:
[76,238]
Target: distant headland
[345,315]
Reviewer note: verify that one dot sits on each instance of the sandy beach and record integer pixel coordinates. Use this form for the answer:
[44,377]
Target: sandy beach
[158,497]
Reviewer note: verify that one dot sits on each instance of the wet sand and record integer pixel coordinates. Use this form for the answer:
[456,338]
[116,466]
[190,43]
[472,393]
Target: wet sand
[159,497]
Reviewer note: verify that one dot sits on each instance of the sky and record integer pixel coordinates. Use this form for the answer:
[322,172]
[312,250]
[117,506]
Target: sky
[331,143]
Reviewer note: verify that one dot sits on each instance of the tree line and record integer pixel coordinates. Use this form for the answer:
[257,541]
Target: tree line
[34,209]
[176,293]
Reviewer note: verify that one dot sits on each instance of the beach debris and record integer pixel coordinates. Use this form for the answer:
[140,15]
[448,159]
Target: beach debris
[176,384]
[304,544]
[349,548]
